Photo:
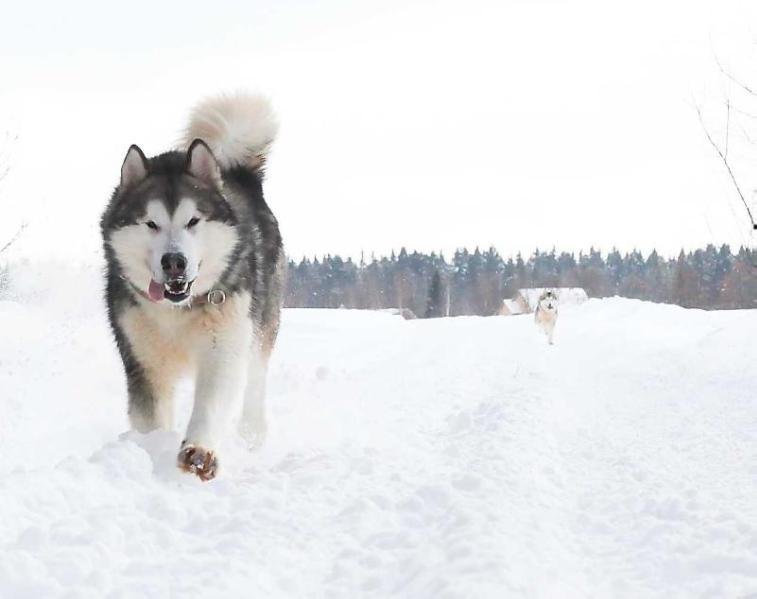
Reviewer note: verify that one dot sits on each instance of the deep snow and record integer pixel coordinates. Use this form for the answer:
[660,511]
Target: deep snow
[457,457]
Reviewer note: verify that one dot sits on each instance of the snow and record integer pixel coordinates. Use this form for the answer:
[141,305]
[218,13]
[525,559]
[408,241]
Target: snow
[455,457]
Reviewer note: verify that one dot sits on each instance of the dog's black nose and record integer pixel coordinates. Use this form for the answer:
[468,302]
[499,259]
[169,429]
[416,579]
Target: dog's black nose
[174,264]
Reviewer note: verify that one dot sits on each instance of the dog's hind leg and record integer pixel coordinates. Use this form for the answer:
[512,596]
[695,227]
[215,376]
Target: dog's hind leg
[253,425]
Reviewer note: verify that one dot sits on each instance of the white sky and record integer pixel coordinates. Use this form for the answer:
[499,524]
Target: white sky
[426,124]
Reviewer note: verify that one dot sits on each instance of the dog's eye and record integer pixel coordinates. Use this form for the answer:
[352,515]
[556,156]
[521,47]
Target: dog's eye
[192,222]
[151,225]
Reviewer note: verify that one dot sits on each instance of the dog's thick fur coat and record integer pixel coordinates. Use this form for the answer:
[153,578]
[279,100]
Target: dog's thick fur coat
[195,270]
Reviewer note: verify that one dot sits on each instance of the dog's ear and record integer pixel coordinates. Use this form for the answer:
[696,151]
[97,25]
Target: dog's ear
[201,163]
[134,168]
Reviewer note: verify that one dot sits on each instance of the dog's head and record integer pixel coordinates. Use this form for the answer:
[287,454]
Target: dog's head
[548,301]
[169,226]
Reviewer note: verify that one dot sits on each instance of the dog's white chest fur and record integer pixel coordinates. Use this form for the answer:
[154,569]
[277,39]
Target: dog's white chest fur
[205,342]
[546,320]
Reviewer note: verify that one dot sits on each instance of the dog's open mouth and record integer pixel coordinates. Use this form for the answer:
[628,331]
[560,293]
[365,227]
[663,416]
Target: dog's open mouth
[177,290]
[174,290]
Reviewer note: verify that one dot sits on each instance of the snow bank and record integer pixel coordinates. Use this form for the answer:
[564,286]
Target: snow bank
[456,457]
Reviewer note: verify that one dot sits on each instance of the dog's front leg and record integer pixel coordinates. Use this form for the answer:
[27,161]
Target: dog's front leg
[219,390]
[151,372]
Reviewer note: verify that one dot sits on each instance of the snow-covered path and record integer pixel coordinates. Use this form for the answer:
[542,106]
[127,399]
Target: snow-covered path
[450,458]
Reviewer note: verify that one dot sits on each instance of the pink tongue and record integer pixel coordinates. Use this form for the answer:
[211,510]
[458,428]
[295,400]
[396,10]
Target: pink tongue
[155,291]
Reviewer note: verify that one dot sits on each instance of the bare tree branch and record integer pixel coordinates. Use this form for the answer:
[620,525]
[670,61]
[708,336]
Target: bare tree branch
[4,170]
[743,86]
[14,238]
[744,113]
[727,124]
[746,135]
[5,152]
[724,158]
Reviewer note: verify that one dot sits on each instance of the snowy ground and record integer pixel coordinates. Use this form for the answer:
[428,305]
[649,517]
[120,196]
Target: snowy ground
[451,458]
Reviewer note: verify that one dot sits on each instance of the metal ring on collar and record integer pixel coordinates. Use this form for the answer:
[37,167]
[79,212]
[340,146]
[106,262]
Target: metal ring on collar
[216,297]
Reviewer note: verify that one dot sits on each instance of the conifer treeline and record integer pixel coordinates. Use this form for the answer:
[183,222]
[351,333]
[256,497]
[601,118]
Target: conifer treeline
[476,282]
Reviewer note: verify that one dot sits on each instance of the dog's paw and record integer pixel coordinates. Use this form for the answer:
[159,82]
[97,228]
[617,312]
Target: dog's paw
[199,461]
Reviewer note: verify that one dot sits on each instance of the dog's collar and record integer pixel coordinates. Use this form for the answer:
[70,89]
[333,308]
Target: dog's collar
[214,297]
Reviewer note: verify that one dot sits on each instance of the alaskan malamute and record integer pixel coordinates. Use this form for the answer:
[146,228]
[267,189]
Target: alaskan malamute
[545,314]
[195,269]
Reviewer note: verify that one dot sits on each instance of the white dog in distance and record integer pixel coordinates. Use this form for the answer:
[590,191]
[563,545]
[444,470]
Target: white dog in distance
[545,314]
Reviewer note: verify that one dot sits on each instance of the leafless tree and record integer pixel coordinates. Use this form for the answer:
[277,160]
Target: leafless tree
[5,152]
[722,149]
[723,154]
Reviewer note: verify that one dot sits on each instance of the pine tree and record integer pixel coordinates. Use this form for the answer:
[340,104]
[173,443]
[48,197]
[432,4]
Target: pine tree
[475,283]
[436,299]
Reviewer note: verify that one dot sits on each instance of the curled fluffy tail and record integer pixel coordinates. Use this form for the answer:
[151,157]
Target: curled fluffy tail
[238,128]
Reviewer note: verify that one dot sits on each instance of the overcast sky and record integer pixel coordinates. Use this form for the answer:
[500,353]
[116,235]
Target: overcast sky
[432,125]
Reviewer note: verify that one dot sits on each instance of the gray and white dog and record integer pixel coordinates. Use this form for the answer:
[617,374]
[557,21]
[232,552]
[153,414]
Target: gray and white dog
[195,271]
[545,314]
